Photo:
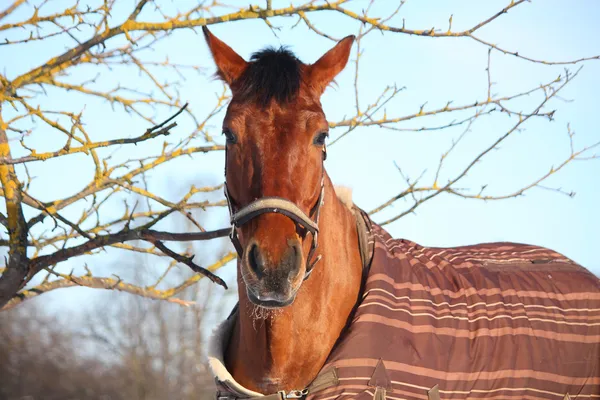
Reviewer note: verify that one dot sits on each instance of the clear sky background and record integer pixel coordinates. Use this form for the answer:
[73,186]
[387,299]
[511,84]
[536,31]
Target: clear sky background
[433,70]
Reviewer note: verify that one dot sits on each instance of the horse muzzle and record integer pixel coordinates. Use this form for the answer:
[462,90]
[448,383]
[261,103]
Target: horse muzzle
[272,283]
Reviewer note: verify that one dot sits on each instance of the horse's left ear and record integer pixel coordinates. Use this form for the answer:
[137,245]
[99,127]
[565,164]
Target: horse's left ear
[322,72]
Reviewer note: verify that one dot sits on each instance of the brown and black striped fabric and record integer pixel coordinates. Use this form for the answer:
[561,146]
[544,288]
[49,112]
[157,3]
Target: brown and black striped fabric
[489,321]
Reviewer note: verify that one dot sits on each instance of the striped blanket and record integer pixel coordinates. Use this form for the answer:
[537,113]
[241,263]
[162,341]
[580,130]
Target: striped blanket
[489,321]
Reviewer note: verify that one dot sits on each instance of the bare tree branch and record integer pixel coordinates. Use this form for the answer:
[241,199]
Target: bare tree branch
[89,281]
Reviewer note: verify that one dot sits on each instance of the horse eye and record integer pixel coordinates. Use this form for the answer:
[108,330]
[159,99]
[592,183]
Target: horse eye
[229,136]
[320,138]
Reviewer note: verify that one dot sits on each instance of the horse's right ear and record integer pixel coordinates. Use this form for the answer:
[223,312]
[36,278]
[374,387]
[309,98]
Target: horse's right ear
[229,64]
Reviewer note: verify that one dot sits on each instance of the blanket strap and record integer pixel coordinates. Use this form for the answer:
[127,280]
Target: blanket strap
[379,393]
[433,393]
[324,380]
[366,242]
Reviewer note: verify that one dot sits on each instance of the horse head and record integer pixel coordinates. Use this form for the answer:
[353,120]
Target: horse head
[275,130]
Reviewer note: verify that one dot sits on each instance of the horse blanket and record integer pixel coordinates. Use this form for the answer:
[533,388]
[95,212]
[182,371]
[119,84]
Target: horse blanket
[490,321]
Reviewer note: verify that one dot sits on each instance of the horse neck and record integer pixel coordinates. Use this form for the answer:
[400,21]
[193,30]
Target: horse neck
[285,349]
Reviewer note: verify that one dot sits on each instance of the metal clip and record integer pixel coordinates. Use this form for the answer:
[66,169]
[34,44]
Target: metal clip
[296,394]
[317,259]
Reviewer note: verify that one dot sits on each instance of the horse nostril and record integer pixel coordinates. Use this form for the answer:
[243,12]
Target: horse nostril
[295,259]
[298,251]
[255,261]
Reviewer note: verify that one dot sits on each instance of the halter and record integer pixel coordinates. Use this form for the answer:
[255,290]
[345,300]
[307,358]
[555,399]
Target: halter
[282,206]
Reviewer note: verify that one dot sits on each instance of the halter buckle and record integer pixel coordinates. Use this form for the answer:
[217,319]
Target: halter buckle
[296,394]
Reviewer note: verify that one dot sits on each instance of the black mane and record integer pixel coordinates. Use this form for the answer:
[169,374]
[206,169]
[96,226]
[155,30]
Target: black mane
[271,74]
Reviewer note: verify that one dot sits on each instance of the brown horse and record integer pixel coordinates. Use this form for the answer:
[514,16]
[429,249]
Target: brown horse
[276,130]
[304,253]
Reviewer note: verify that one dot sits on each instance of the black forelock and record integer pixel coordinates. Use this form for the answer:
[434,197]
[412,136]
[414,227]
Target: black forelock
[271,74]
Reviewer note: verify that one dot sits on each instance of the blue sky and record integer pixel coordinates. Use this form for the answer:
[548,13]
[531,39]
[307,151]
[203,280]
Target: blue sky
[433,71]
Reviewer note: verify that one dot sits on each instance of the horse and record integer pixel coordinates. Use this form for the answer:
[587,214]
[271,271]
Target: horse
[332,307]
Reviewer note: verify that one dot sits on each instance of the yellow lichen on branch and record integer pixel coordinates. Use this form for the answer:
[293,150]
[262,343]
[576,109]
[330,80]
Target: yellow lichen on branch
[94,282]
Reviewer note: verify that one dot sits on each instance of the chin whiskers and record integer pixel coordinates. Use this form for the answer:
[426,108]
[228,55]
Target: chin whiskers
[262,314]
